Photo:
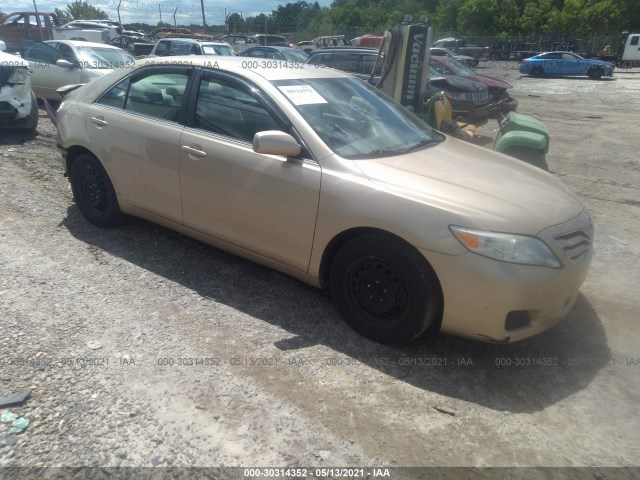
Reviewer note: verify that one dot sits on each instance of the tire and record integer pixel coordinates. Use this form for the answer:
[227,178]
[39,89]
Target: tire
[595,73]
[30,123]
[530,156]
[494,56]
[537,72]
[94,193]
[384,289]
[476,62]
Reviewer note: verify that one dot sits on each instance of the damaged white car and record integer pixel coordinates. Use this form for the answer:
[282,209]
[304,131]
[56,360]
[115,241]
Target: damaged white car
[18,105]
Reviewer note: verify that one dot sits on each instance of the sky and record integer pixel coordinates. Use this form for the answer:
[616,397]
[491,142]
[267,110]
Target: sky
[147,11]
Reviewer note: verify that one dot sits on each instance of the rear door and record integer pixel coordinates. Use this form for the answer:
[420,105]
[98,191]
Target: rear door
[266,204]
[135,131]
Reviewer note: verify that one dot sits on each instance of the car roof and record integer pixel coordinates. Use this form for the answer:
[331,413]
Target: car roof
[82,43]
[273,47]
[345,50]
[195,40]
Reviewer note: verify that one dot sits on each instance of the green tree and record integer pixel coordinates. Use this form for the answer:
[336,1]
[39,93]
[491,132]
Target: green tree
[235,23]
[80,10]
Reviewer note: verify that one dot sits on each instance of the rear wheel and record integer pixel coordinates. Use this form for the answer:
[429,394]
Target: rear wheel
[595,73]
[537,72]
[94,192]
[494,56]
[384,289]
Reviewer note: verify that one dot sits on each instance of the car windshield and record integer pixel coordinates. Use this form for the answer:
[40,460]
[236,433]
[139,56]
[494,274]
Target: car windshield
[104,58]
[212,49]
[356,120]
[294,55]
[452,66]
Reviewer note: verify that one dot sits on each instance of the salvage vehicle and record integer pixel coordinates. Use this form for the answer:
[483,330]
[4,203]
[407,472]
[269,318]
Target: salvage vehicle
[459,46]
[565,64]
[445,52]
[323,42]
[276,53]
[323,177]
[190,46]
[56,63]
[41,26]
[18,104]
[497,88]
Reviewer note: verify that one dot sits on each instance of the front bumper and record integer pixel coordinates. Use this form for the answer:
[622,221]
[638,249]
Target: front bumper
[493,301]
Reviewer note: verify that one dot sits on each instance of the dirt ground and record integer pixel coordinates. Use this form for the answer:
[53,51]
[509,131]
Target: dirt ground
[142,347]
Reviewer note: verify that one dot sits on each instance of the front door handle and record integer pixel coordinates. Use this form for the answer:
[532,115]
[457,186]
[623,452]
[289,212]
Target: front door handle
[194,150]
[99,121]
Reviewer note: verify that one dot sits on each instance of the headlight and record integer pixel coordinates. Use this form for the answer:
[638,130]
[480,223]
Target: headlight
[507,247]
[20,76]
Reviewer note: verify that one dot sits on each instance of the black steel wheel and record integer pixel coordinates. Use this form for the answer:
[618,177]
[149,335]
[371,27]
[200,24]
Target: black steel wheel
[537,72]
[596,73]
[385,289]
[93,192]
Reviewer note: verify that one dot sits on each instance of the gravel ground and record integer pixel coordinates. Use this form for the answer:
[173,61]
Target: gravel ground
[142,347]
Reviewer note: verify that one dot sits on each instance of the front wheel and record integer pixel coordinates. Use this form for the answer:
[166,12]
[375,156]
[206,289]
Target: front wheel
[595,73]
[94,192]
[384,289]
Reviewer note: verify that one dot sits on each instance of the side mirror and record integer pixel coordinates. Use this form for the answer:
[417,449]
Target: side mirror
[64,63]
[274,142]
[3,46]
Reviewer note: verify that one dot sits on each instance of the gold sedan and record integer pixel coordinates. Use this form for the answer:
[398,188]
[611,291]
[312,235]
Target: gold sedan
[320,176]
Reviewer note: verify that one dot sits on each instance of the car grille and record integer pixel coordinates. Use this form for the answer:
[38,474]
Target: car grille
[481,96]
[576,245]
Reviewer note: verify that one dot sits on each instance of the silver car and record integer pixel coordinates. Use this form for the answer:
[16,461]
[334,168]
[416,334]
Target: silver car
[56,63]
[321,176]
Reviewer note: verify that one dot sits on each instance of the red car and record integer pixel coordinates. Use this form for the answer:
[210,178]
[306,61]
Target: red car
[497,87]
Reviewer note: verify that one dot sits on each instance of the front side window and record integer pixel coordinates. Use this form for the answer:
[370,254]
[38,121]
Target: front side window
[225,107]
[39,52]
[158,95]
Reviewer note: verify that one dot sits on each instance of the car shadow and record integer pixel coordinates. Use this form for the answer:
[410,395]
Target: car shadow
[527,376]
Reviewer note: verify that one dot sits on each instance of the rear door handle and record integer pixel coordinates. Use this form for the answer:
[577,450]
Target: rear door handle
[99,121]
[194,150]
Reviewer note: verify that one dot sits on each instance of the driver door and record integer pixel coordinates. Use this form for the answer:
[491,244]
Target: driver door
[265,204]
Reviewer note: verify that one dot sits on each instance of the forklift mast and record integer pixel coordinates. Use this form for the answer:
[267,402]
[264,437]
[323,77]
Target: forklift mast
[405,71]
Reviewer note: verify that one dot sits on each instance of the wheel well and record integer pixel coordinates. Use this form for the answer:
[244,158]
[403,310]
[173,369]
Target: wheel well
[73,153]
[342,238]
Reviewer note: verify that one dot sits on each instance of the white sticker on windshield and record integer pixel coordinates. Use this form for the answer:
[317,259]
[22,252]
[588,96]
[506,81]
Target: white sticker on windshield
[302,94]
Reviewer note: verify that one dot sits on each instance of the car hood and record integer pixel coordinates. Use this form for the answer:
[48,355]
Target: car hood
[6,59]
[490,81]
[456,81]
[503,194]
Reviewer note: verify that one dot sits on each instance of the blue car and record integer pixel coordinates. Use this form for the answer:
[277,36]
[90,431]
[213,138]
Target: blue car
[565,64]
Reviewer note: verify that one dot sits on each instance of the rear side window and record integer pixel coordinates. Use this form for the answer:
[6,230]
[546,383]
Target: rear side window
[158,95]
[634,40]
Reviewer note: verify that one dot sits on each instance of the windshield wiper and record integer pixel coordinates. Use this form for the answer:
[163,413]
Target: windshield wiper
[422,143]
